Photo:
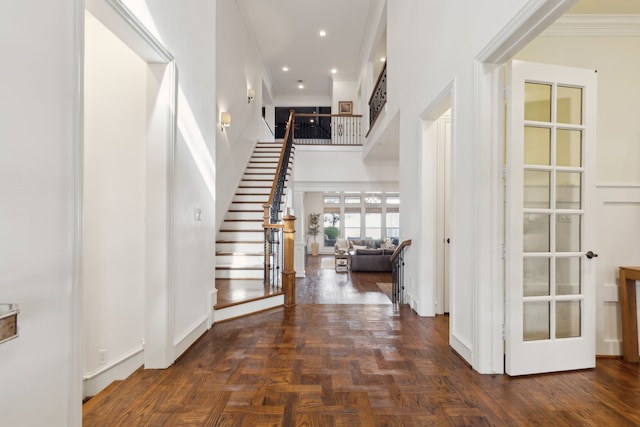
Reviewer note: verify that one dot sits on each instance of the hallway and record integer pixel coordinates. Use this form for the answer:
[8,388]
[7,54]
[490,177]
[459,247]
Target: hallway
[353,364]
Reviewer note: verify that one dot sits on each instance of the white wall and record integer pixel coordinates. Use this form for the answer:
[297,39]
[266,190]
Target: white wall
[341,168]
[446,37]
[618,178]
[41,369]
[345,90]
[238,68]
[114,204]
[188,31]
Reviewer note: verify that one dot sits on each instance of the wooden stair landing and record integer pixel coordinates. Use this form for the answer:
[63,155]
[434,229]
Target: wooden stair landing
[237,291]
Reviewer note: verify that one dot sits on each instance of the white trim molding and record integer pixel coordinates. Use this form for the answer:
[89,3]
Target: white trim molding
[594,26]
[117,369]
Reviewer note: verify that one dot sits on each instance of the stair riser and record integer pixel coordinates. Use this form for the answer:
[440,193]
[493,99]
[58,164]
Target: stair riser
[255,199]
[244,215]
[239,226]
[240,247]
[239,260]
[249,182]
[262,170]
[253,190]
[240,235]
[239,274]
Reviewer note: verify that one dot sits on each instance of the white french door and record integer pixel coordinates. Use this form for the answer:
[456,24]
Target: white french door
[550,229]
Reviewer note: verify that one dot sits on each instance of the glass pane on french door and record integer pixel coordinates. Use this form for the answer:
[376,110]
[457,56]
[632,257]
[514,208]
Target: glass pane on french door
[552,194]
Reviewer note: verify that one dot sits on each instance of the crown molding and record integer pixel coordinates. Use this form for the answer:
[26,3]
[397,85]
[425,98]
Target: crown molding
[594,26]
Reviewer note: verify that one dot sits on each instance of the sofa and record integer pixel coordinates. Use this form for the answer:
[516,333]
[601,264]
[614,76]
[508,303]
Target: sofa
[370,259]
[367,254]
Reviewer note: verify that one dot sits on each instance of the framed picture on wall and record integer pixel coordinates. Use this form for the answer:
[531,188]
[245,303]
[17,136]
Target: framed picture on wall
[345,108]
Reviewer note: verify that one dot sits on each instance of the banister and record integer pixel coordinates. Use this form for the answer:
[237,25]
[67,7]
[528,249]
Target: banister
[287,143]
[399,249]
[278,235]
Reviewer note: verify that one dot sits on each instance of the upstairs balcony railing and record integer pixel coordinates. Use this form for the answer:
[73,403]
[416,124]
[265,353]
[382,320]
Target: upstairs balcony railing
[327,129]
[378,97]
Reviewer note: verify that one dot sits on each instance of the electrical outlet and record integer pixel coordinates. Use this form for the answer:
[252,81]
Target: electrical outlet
[103,357]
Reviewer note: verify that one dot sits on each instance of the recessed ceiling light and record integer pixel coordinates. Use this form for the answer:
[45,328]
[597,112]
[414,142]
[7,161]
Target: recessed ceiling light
[323,33]
[285,68]
[300,84]
[383,59]
[333,71]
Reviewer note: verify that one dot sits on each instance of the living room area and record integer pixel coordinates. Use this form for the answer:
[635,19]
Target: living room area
[353,230]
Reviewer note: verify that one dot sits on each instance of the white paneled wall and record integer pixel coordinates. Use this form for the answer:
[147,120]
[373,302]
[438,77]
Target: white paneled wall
[618,244]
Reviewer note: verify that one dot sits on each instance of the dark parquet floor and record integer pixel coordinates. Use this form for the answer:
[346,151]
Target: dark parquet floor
[364,364]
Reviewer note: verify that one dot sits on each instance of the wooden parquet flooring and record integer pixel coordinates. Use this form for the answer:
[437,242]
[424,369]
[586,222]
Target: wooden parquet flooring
[355,365]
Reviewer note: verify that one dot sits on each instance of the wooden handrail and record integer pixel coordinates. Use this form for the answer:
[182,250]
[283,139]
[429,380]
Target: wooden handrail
[399,249]
[274,184]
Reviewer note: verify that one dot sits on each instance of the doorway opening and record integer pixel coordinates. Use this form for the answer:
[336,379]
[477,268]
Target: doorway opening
[435,182]
[116,344]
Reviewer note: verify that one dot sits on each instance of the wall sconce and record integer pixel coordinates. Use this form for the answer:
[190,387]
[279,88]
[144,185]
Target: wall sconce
[225,120]
[251,94]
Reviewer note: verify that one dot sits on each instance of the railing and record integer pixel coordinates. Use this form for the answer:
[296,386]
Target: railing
[397,273]
[378,97]
[278,230]
[328,129]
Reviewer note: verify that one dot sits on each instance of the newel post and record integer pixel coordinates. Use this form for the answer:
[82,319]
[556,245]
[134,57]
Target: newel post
[267,248]
[289,273]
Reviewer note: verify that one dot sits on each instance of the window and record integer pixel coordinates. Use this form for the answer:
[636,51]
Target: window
[331,200]
[393,224]
[331,224]
[352,199]
[393,200]
[352,224]
[373,225]
[360,215]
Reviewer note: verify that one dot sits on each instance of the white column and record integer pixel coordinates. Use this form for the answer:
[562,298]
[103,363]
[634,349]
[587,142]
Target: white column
[298,208]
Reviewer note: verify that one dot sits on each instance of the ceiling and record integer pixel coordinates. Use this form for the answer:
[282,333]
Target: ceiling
[287,34]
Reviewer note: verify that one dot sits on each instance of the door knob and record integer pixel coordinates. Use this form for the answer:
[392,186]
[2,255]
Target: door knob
[591,255]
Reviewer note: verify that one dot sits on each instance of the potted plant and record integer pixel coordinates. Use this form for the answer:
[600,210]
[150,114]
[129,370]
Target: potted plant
[314,230]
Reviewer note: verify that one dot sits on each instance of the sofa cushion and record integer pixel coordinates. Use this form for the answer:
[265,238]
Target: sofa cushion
[359,247]
[342,244]
[358,242]
[368,252]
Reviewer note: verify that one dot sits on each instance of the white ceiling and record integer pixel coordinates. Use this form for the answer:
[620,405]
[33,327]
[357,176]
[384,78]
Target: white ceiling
[287,34]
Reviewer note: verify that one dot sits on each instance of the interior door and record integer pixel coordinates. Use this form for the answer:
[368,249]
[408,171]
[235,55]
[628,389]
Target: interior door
[550,176]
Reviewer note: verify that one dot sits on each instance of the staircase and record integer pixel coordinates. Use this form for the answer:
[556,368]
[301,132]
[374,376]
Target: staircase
[240,243]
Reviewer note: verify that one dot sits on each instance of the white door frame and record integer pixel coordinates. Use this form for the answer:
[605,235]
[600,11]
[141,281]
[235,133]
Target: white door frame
[428,296]
[489,300]
[159,351]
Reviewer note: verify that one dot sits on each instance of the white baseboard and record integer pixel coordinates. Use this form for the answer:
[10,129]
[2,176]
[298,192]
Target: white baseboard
[117,369]
[248,308]
[461,348]
[192,333]
[212,301]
